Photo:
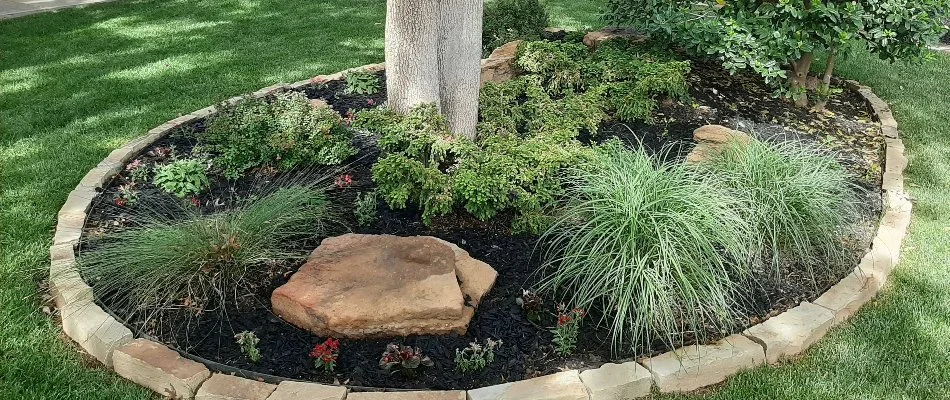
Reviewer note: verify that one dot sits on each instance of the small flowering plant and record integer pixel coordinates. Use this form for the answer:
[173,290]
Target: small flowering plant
[126,195]
[532,304]
[476,356]
[138,171]
[325,355]
[343,181]
[405,359]
[568,326]
[248,342]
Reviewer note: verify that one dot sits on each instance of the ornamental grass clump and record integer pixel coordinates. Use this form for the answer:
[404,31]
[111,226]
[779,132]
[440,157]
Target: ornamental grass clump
[202,261]
[799,199]
[652,249]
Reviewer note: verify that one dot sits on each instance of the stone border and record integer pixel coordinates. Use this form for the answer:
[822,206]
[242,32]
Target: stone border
[163,370]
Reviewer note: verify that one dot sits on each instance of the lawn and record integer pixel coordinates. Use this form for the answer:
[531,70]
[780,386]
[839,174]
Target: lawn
[78,83]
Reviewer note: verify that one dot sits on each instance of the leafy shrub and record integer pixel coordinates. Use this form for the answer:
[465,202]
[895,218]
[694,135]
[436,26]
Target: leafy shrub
[362,83]
[507,20]
[423,163]
[560,63]
[284,131]
[798,198]
[656,248]
[405,359]
[767,36]
[203,259]
[183,178]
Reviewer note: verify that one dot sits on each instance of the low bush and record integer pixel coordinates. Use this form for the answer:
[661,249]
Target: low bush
[798,198]
[362,83]
[284,131]
[654,248]
[507,20]
[204,259]
[183,178]
[424,164]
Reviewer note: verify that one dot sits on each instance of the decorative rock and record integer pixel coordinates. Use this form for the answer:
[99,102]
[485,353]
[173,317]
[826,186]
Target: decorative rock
[617,381]
[159,368]
[593,39]
[359,286]
[426,395]
[227,387]
[290,390]
[792,331]
[710,139]
[500,65]
[847,296]
[565,385]
[692,367]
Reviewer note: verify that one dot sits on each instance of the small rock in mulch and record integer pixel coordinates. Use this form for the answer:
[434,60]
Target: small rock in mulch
[364,286]
[710,140]
[593,39]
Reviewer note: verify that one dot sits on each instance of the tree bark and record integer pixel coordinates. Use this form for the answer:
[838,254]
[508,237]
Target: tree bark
[799,79]
[460,49]
[824,88]
[412,62]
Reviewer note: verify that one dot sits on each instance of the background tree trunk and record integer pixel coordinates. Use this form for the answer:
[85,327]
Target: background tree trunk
[460,48]
[412,62]
[799,79]
[824,89]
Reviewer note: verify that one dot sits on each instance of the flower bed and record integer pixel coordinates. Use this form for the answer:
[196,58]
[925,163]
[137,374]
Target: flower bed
[527,349]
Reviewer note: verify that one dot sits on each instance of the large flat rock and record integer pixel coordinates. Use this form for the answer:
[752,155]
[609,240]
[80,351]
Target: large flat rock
[360,286]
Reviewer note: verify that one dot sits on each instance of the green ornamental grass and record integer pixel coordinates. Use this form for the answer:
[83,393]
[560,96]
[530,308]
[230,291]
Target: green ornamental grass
[655,248]
[204,259]
[799,199]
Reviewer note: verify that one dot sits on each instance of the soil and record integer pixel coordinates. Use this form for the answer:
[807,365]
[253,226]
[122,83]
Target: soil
[716,98]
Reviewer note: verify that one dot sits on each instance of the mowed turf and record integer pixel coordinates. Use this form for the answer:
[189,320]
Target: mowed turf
[78,83]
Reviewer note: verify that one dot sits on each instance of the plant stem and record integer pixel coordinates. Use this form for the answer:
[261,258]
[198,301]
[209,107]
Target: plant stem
[825,87]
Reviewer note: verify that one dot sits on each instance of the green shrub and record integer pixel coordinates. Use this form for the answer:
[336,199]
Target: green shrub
[203,260]
[655,248]
[362,83]
[798,198]
[559,63]
[425,165]
[285,131]
[183,178]
[507,20]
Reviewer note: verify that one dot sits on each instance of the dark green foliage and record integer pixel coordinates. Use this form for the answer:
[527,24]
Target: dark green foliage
[362,83]
[507,20]
[284,131]
[183,178]
[204,258]
[365,208]
[558,63]
[424,164]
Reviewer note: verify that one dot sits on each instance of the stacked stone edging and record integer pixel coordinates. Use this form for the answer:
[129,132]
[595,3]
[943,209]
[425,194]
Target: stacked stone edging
[159,368]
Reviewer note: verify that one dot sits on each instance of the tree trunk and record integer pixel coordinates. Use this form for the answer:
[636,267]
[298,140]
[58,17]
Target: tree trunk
[824,89]
[460,50]
[412,62]
[799,79]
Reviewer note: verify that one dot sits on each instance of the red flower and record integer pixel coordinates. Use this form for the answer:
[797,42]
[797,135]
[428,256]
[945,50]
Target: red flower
[371,102]
[343,181]
[195,202]
[563,319]
[121,202]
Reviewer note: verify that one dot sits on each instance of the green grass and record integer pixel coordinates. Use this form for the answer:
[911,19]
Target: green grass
[78,83]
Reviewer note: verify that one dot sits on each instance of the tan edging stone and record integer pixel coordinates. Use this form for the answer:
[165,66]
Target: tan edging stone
[428,395]
[692,367]
[565,385]
[228,387]
[159,368]
[792,331]
[291,390]
[684,369]
[617,381]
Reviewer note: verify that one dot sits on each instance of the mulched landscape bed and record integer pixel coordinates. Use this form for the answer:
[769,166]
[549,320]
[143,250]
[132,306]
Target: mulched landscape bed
[717,97]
